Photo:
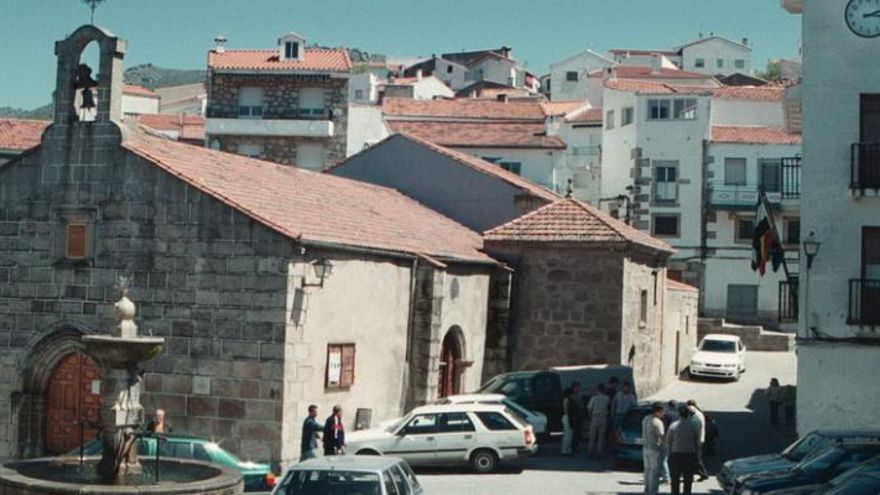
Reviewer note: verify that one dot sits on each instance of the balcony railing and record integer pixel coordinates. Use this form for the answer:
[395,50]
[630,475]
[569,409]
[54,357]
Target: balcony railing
[788,300]
[791,178]
[269,127]
[864,302]
[739,196]
[865,166]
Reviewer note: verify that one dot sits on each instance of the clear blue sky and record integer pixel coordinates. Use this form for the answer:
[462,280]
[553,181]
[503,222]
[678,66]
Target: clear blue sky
[177,33]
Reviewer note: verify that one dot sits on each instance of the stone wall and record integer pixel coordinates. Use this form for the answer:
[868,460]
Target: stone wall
[641,344]
[566,304]
[281,101]
[208,279]
[755,337]
[680,327]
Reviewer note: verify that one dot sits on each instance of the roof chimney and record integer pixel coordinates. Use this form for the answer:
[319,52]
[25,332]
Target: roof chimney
[656,64]
[418,74]
[502,97]
[505,51]
[610,73]
[220,43]
[746,41]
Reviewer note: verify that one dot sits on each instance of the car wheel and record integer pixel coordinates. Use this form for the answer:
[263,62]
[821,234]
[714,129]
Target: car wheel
[484,461]
[736,376]
[367,452]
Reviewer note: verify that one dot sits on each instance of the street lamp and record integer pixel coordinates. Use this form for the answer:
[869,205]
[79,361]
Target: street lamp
[323,268]
[811,248]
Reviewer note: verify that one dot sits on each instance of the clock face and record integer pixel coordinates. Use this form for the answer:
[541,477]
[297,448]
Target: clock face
[863,17]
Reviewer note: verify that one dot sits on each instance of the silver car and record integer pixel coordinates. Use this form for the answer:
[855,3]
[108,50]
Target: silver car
[350,475]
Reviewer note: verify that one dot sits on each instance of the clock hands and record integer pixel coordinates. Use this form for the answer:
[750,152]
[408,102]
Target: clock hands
[876,13]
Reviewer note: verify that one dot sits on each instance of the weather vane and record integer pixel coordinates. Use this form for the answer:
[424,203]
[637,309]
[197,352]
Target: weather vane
[93,4]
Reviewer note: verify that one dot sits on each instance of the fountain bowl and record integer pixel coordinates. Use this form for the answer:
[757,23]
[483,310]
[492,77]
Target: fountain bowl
[121,352]
[65,475]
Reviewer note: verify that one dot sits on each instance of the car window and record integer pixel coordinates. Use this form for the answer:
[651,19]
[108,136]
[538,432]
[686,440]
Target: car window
[410,475]
[422,424]
[399,481]
[799,450]
[517,389]
[860,485]
[822,462]
[718,346]
[495,421]
[200,453]
[317,482]
[388,482]
[455,422]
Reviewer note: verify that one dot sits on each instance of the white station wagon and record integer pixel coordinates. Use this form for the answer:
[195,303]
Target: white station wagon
[536,419]
[719,356]
[481,435]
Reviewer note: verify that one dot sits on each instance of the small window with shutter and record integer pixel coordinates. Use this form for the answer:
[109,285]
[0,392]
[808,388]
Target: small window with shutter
[340,365]
[76,241]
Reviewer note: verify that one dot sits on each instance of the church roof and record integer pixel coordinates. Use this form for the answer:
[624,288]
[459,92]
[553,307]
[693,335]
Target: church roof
[311,206]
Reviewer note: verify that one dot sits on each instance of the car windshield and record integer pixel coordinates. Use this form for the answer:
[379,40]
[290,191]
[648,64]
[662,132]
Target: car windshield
[516,417]
[718,346]
[394,425]
[336,482]
[516,409]
[822,462]
[799,450]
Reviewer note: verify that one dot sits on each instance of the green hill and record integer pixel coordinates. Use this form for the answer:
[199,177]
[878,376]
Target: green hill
[151,76]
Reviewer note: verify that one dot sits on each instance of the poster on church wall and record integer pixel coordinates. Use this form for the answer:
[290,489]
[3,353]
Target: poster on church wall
[334,366]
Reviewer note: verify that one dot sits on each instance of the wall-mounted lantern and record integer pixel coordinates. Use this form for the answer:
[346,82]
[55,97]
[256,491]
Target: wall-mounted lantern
[811,248]
[323,268]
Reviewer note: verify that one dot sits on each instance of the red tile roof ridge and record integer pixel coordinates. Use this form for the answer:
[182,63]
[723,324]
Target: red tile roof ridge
[680,286]
[753,134]
[21,134]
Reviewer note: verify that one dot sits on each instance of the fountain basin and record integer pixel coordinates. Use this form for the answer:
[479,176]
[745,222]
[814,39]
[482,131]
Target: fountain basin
[121,352]
[65,475]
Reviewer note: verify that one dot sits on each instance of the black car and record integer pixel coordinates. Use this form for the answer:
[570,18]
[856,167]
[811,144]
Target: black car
[816,470]
[862,479]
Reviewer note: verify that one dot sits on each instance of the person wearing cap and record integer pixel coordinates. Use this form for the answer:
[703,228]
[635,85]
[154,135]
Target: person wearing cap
[683,442]
[334,433]
[652,447]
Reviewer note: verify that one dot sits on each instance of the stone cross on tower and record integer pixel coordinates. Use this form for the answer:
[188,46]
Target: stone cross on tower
[93,4]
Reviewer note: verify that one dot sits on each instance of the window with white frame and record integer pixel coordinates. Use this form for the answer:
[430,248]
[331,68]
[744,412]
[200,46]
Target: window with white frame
[571,76]
[609,119]
[734,171]
[700,63]
[668,109]
[659,109]
[291,49]
[745,229]
[310,156]
[665,181]
[311,103]
[685,109]
[665,225]
[250,103]
[739,63]
[626,116]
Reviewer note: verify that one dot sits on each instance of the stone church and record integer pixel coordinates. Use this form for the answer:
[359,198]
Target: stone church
[274,287]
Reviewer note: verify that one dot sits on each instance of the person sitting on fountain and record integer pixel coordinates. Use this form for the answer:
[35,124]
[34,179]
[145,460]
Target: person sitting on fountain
[158,423]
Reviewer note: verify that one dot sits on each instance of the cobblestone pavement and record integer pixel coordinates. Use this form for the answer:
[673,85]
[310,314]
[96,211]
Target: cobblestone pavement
[737,407]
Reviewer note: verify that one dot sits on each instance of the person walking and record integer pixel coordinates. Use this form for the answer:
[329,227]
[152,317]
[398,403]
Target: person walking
[311,432]
[682,441]
[653,430]
[774,399]
[699,420]
[598,408]
[621,403]
[334,433]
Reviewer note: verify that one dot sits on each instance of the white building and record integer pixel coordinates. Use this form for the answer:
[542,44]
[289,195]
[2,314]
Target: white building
[452,73]
[138,100]
[418,87]
[363,88]
[568,77]
[188,99]
[840,297]
[712,55]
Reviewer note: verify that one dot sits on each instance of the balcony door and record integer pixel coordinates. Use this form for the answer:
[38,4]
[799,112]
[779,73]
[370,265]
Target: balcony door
[870,118]
[869,148]
[870,303]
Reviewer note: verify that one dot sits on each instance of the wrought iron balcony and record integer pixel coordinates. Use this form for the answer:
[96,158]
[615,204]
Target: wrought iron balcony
[864,302]
[788,300]
[739,197]
[865,166]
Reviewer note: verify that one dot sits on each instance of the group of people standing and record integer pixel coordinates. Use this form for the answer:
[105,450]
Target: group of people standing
[673,438]
[607,407]
[332,434]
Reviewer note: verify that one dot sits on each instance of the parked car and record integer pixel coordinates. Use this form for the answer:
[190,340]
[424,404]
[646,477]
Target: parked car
[481,435]
[541,391]
[627,436]
[347,475]
[863,479]
[812,472]
[719,356]
[808,445]
[536,419]
[257,476]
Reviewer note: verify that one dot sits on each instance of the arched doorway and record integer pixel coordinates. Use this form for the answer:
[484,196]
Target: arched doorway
[451,362]
[70,402]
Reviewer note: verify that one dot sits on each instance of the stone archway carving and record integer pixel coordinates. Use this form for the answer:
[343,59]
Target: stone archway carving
[29,397]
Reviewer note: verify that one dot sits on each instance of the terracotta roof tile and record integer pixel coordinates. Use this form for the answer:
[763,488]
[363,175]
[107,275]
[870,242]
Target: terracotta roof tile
[623,51]
[134,89]
[679,286]
[463,108]
[645,72]
[648,87]
[586,115]
[564,107]
[313,206]
[754,93]
[188,127]
[479,134]
[21,134]
[569,220]
[315,59]
[753,135]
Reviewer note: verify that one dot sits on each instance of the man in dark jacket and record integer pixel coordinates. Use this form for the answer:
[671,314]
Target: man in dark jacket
[310,434]
[334,433]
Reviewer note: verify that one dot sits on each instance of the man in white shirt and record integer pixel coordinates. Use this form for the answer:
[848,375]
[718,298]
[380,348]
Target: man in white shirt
[599,406]
[699,420]
[652,448]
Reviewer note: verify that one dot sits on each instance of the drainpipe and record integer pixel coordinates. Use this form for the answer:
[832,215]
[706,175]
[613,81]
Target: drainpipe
[704,220]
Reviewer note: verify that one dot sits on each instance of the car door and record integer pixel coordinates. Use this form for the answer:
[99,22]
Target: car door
[416,441]
[455,436]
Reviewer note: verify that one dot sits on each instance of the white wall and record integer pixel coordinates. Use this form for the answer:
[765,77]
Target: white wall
[368,85]
[539,166]
[471,318]
[137,105]
[365,128]
[713,49]
[582,160]
[431,87]
[617,145]
[838,384]
[583,63]
[747,112]
[455,79]
[496,70]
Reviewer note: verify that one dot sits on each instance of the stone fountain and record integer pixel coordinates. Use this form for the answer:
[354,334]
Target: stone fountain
[121,355]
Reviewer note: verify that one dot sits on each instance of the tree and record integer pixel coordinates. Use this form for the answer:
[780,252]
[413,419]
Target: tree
[773,72]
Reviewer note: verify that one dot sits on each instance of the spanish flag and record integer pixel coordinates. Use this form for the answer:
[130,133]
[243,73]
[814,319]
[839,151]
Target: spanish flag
[765,242]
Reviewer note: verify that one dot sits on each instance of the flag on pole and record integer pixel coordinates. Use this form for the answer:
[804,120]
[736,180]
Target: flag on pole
[765,241]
